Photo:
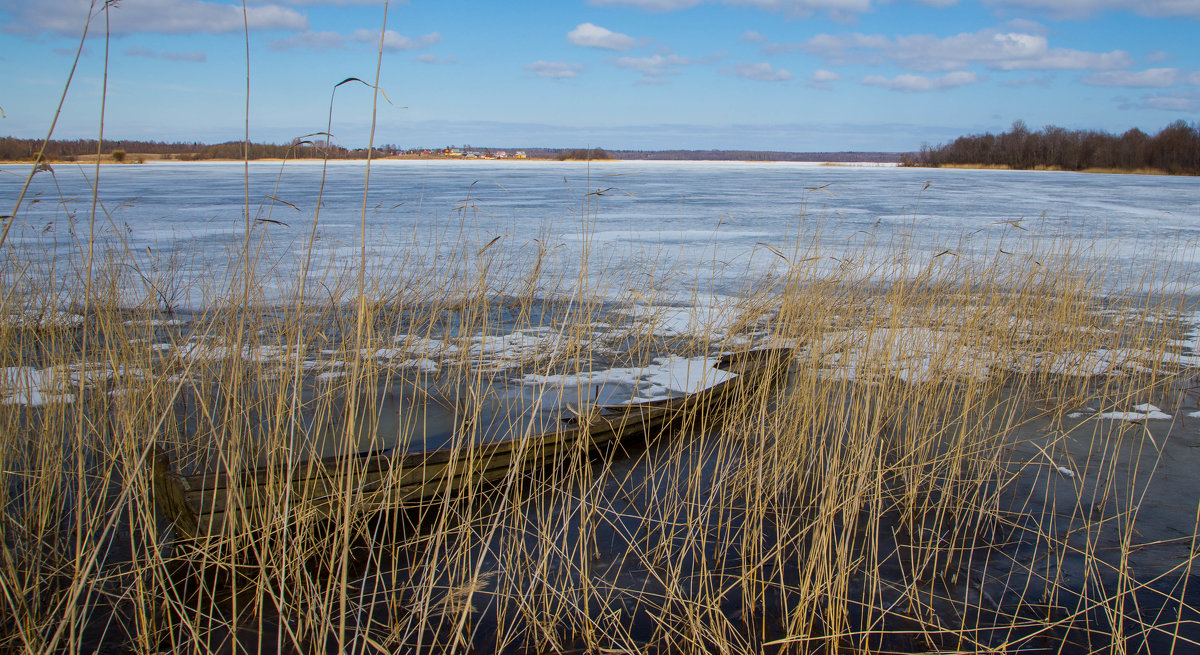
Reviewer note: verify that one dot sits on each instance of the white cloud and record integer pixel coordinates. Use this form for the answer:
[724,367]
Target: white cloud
[1082,8]
[753,36]
[931,53]
[587,35]
[1176,103]
[1065,59]
[1025,25]
[435,60]
[1043,81]
[654,67]
[393,41]
[1152,77]
[762,71]
[1193,79]
[820,79]
[335,2]
[830,46]
[919,83]
[307,40]
[322,41]
[649,5]
[556,70]
[922,52]
[788,7]
[67,17]
[138,51]
[805,7]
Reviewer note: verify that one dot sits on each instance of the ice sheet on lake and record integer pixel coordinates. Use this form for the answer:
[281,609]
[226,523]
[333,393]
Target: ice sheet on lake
[690,225]
[641,236]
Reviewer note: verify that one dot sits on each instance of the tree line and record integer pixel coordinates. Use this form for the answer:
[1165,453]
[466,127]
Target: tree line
[756,155]
[582,154]
[15,149]
[1175,150]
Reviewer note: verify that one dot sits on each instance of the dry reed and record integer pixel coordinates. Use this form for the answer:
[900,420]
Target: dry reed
[934,473]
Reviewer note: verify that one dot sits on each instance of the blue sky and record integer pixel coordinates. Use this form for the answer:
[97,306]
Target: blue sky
[802,75]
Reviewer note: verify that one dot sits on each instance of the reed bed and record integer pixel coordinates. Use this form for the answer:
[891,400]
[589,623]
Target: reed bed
[966,454]
[935,473]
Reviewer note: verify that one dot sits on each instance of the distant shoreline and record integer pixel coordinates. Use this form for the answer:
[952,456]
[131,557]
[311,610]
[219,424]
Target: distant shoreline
[1174,150]
[1057,169]
[14,149]
[159,159]
[134,159]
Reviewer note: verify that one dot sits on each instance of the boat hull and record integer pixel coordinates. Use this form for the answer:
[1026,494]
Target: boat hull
[238,499]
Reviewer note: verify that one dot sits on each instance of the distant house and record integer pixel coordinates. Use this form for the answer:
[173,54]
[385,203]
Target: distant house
[452,152]
[501,154]
[520,154]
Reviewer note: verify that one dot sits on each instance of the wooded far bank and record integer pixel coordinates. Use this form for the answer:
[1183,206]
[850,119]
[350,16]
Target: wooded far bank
[1174,150]
[60,150]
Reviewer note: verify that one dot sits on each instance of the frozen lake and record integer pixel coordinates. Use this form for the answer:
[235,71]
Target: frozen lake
[675,229]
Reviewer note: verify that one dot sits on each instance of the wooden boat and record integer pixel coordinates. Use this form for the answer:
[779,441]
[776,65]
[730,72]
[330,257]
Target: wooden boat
[207,506]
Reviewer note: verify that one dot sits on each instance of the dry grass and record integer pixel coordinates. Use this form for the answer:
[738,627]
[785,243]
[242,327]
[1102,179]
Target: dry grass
[885,497]
[919,482]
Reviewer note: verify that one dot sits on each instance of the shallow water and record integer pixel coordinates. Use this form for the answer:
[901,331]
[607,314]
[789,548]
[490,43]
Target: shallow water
[674,228]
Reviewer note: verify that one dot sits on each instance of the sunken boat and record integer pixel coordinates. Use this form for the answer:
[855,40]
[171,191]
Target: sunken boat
[239,499]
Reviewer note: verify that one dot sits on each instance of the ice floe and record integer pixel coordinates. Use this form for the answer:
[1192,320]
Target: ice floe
[914,354]
[711,316]
[21,385]
[496,353]
[43,319]
[663,378]
[1082,364]
[1144,412]
[156,322]
[922,354]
